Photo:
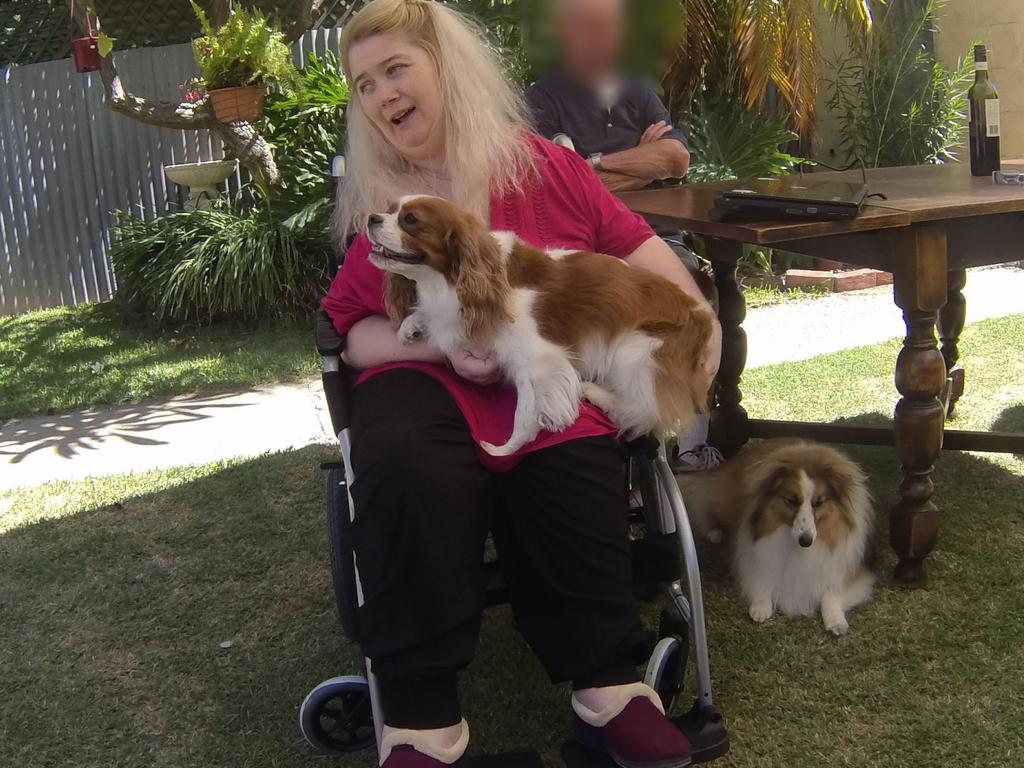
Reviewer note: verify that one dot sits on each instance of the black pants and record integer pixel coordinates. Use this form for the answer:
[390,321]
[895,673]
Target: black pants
[424,506]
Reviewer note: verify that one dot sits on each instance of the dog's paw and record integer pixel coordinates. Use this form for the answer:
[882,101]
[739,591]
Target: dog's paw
[599,396]
[556,422]
[761,611]
[838,626]
[410,330]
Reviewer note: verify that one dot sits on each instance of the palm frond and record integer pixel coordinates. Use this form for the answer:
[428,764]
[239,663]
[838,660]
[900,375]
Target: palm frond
[759,31]
[696,46]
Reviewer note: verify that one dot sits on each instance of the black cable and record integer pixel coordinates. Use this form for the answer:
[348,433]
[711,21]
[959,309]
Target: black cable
[857,162]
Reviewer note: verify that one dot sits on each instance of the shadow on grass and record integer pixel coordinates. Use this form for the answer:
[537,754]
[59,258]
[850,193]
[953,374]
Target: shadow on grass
[1010,420]
[69,434]
[113,616]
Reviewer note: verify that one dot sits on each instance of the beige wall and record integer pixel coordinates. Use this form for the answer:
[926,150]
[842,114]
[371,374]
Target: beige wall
[1000,25]
[997,23]
[832,45]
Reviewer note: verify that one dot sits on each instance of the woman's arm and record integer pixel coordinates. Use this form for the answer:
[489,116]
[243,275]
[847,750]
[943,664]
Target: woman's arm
[372,341]
[655,255]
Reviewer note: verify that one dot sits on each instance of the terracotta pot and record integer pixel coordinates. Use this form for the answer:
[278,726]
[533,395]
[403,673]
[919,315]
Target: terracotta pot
[86,53]
[232,105]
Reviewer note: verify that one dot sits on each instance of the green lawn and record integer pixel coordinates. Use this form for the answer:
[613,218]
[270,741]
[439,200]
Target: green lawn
[115,593]
[757,296]
[60,359]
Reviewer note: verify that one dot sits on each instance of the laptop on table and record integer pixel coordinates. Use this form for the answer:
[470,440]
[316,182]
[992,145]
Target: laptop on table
[790,197]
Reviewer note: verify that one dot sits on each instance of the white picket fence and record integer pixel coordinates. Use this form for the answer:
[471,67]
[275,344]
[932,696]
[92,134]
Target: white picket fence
[67,163]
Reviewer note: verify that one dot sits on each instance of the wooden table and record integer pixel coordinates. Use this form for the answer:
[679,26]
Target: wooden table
[936,222]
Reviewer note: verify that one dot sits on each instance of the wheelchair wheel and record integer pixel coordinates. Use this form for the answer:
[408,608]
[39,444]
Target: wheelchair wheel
[337,717]
[339,540]
[666,669]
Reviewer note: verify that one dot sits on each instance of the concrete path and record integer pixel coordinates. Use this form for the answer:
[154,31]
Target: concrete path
[799,330]
[191,429]
[200,429]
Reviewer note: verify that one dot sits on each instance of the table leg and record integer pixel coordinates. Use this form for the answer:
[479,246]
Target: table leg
[952,318]
[728,430]
[920,290]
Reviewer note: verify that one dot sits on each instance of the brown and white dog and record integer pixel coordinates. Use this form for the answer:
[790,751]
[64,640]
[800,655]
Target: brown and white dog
[800,516]
[563,325]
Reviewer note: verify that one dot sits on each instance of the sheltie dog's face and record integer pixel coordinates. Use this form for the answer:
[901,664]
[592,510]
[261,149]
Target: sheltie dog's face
[815,499]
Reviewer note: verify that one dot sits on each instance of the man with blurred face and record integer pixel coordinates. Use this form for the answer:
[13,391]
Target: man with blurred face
[618,124]
[622,128]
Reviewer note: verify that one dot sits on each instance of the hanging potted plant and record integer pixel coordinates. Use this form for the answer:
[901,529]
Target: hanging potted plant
[240,60]
[85,51]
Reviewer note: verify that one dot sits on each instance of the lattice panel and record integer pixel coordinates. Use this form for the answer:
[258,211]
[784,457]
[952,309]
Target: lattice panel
[38,30]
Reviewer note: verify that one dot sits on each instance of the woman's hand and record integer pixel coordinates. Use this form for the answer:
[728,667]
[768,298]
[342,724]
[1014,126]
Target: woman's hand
[476,365]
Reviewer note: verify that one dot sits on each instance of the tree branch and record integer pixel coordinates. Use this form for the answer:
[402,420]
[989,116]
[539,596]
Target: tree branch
[240,139]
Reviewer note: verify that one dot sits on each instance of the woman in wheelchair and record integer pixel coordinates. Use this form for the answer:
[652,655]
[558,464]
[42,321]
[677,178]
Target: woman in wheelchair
[433,113]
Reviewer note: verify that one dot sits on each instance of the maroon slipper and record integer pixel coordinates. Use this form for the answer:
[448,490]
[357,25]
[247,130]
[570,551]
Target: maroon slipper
[406,756]
[403,748]
[637,736]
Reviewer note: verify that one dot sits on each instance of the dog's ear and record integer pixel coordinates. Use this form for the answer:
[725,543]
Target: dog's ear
[846,484]
[481,279]
[399,297]
[769,476]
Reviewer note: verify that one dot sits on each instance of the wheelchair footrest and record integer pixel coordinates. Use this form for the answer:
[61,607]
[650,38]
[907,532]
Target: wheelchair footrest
[705,729]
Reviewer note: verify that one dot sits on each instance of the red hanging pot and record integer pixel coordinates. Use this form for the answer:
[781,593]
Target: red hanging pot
[86,53]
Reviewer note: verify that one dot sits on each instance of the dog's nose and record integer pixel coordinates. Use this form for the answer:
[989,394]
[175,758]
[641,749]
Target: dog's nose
[375,218]
[806,539]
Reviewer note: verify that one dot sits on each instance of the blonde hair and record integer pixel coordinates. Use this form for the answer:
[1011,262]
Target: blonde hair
[485,116]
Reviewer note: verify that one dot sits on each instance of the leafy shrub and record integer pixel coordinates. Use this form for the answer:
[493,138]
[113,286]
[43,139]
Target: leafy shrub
[224,262]
[729,142]
[247,50]
[306,131]
[264,252]
[897,104]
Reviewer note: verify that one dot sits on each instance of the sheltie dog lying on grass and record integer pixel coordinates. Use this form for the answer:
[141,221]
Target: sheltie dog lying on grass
[799,517]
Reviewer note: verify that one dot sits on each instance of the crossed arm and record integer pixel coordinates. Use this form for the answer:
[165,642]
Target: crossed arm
[652,159]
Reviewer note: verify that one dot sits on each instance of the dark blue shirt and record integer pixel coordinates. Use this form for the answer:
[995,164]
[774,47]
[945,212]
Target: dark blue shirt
[560,105]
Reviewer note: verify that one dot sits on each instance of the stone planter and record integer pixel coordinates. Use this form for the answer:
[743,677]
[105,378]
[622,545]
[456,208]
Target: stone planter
[201,179]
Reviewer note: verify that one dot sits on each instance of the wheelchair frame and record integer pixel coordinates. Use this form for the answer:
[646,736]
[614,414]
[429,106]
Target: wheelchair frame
[666,514]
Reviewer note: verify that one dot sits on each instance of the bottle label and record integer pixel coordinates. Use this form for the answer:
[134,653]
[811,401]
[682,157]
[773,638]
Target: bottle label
[992,117]
[980,66]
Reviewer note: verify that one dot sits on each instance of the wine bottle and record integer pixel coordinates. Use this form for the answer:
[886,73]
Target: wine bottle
[984,130]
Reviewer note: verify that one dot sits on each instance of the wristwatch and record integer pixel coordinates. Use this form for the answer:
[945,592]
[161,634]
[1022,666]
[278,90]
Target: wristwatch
[595,160]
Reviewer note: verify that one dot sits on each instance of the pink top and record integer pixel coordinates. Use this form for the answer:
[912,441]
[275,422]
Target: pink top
[567,207]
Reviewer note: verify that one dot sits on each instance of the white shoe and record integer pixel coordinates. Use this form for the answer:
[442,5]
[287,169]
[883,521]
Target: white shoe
[700,459]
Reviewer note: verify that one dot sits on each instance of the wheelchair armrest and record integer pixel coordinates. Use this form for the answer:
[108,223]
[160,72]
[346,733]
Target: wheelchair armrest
[336,377]
[643,447]
[328,341]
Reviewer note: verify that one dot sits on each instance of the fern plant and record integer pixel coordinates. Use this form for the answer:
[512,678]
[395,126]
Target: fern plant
[262,252]
[306,132]
[248,50]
